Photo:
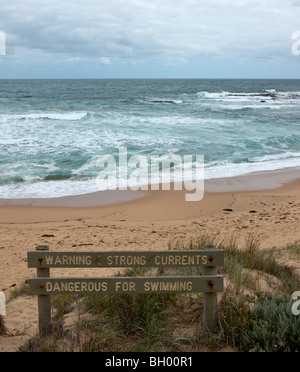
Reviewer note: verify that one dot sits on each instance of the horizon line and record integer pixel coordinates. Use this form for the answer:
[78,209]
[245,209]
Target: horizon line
[147,78]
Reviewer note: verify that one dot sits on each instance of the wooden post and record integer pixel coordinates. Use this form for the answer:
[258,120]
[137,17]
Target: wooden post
[44,301]
[210,299]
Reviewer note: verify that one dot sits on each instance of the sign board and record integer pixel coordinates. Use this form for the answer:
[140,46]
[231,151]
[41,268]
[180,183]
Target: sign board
[125,259]
[44,286]
[126,285]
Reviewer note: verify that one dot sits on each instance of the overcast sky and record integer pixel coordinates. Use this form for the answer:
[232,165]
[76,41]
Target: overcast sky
[149,38]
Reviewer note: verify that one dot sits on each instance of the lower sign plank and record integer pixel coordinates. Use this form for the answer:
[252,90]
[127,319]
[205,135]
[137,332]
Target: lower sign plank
[211,284]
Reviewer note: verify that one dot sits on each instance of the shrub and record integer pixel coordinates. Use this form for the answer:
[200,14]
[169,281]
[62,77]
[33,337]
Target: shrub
[272,327]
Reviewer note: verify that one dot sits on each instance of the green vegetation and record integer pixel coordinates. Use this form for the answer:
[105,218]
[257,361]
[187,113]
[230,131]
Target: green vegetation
[254,310]
[19,290]
[268,327]
[130,323]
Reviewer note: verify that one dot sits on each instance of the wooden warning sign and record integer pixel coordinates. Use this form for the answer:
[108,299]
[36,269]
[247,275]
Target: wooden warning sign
[44,286]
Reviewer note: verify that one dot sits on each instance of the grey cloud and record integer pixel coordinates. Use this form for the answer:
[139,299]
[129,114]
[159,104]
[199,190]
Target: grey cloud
[140,29]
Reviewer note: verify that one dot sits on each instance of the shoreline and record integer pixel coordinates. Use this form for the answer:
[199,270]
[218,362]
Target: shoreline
[154,222]
[256,181]
[151,222]
[145,206]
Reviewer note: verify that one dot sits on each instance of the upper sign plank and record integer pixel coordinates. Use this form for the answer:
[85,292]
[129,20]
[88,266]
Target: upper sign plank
[125,259]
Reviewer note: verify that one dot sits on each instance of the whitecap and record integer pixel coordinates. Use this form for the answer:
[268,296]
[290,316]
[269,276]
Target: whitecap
[66,116]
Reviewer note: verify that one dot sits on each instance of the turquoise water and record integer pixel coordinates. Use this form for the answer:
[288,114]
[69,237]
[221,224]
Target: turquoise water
[52,131]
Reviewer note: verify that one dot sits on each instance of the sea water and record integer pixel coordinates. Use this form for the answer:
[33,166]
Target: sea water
[53,131]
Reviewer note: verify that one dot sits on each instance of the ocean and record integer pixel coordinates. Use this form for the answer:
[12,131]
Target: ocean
[53,131]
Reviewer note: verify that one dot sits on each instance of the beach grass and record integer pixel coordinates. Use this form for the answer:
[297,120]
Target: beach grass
[254,310]
[19,290]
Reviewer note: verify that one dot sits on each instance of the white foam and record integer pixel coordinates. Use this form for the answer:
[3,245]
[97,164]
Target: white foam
[213,95]
[68,116]
[267,163]
[51,189]
[253,106]
[241,101]
[166,101]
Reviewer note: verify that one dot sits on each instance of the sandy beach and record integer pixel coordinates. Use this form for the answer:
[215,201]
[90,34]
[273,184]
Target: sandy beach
[266,205]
